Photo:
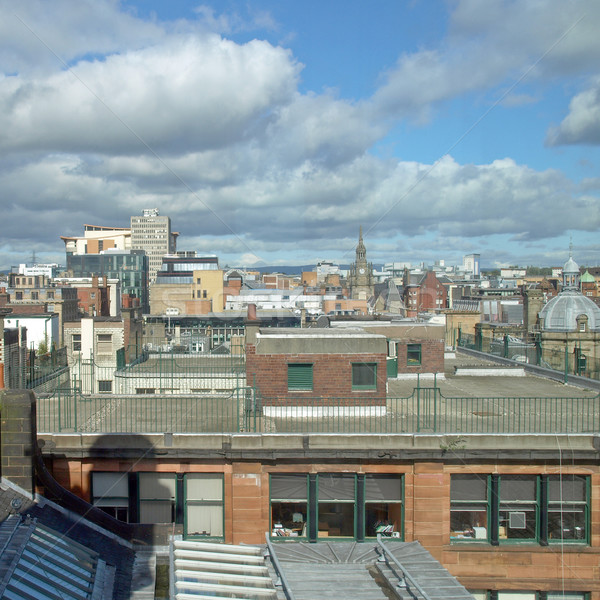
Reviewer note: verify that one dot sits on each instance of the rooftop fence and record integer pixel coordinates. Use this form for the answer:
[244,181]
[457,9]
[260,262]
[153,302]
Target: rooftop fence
[243,410]
[569,358]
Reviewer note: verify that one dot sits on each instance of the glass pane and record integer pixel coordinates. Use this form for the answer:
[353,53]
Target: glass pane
[469,522]
[288,518]
[204,486]
[336,487]
[517,522]
[336,519]
[573,488]
[364,374]
[156,511]
[111,502]
[383,487]
[516,595]
[288,487]
[110,484]
[520,488]
[565,596]
[568,524]
[383,518]
[205,519]
[157,486]
[468,487]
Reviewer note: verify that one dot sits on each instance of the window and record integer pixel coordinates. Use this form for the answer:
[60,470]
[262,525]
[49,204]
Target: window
[413,355]
[156,497]
[104,343]
[383,505]
[567,508]
[518,516]
[76,338]
[18,295]
[110,492]
[336,505]
[526,595]
[364,376]
[105,385]
[289,496]
[348,505]
[50,295]
[519,508]
[145,391]
[469,507]
[203,505]
[300,377]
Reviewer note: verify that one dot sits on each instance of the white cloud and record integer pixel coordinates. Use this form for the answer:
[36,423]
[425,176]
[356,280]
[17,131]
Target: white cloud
[192,93]
[582,124]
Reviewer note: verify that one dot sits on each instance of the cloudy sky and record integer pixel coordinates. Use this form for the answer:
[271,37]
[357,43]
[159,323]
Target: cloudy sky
[269,131]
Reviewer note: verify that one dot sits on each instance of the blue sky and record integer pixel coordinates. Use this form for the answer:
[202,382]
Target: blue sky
[270,131]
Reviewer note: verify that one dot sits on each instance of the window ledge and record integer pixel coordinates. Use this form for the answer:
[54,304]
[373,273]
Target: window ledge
[520,547]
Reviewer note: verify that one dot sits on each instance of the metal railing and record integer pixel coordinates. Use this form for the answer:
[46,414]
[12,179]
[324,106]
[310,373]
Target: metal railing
[406,580]
[568,358]
[242,409]
[285,586]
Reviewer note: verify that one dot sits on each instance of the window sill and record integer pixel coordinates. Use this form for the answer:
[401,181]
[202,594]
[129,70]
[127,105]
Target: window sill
[483,546]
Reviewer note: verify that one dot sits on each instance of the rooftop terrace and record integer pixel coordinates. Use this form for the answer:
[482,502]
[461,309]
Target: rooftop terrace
[468,399]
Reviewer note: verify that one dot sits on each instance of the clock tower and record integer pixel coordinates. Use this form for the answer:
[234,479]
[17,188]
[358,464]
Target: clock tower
[360,278]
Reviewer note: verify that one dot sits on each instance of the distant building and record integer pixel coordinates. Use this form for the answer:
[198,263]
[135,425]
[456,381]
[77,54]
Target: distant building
[428,294]
[130,267]
[570,327]
[471,265]
[360,278]
[97,238]
[152,233]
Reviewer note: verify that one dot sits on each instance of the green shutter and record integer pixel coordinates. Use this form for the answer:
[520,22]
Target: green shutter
[300,377]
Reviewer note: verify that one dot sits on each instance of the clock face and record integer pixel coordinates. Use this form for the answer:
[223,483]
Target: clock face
[361,271]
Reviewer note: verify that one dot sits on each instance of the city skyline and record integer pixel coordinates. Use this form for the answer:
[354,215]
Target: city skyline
[269,132]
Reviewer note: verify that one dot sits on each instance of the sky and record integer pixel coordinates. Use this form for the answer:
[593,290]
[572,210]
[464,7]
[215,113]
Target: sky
[269,131]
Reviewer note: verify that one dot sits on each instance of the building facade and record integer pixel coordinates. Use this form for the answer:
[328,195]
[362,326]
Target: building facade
[152,233]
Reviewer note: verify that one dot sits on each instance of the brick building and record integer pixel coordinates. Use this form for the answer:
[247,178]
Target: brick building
[426,295]
[289,367]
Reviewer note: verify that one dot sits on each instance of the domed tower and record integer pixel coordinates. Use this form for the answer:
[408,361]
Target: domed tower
[570,311]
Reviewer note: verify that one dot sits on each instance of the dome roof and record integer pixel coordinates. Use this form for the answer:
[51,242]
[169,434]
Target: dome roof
[560,314]
[587,277]
[571,266]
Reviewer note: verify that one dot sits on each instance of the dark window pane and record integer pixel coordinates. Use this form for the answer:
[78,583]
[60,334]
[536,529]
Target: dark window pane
[336,487]
[364,375]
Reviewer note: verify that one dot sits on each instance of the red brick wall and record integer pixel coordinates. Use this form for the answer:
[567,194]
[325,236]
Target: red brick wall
[332,376]
[432,356]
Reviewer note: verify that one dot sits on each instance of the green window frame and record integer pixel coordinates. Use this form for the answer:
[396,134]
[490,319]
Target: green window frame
[204,506]
[413,355]
[110,493]
[364,376]
[515,508]
[157,497]
[384,505]
[336,505]
[300,377]
[289,504]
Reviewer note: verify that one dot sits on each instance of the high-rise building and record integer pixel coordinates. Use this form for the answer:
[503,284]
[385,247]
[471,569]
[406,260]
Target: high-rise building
[152,233]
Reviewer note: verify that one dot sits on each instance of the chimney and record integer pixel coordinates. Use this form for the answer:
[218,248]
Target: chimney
[252,312]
